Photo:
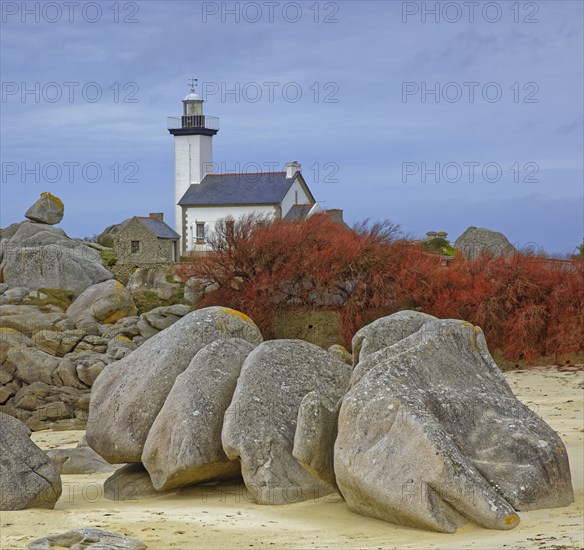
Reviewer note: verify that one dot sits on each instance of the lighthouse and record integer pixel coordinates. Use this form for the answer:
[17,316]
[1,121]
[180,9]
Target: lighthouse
[193,133]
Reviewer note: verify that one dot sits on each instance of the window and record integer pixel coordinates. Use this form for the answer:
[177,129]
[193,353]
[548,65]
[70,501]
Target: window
[135,247]
[200,232]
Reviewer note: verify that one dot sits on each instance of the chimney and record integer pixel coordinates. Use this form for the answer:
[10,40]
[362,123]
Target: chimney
[292,168]
[336,214]
[157,215]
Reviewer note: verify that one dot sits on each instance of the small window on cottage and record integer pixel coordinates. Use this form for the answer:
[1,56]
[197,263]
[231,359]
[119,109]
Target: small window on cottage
[135,247]
[200,232]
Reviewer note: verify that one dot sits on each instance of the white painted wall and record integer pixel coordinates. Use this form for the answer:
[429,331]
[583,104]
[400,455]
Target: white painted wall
[211,214]
[290,199]
[193,158]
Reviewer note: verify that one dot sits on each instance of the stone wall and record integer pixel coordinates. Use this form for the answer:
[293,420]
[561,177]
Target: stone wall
[165,249]
[322,328]
[134,230]
[123,272]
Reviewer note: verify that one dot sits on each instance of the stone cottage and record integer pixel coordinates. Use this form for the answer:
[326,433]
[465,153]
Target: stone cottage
[146,240]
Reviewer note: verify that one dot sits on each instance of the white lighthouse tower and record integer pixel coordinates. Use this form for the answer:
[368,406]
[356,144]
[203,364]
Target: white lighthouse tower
[193,151]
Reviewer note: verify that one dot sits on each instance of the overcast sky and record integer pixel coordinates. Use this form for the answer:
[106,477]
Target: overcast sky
[87,87]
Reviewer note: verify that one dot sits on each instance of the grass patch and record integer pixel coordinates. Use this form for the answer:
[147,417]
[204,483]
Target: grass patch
[439,245]
[54,296]
[108,257]
[147,300]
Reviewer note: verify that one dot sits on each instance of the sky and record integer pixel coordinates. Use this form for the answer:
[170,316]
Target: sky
[435,115]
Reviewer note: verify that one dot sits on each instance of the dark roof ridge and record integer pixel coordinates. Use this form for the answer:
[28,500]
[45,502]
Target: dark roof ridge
[245,173]
[246,188]
[160,228]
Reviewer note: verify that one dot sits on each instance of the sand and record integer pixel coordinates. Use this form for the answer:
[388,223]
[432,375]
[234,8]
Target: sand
[221,516]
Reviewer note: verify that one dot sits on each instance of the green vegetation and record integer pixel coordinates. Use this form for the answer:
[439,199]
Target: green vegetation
[146,300]
[54,296]
[439,245]
[108,257]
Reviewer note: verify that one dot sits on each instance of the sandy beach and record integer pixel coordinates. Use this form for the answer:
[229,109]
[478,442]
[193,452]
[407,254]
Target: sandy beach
[221,517]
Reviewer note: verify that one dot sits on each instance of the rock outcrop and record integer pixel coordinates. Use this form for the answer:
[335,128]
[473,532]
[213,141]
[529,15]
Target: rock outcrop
[129,394]
[260,423]
[184,444]
[32,319]
[38,255]
[430,435]
[477,240]
[28,479]
[48,361]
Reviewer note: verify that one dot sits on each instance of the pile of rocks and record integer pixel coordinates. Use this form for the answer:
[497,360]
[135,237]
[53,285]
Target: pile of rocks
[167,406]
[50,357]
[51,354]
[34,254]
[424,430]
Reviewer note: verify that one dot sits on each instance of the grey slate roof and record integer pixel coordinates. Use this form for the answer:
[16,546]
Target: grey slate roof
[256,188]
[298,212]
[162,230]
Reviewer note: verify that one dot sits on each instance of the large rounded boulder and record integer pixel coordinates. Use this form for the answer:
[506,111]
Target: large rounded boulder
[478,240]
[184,443]
[430,435]
[128,394]
[106,303]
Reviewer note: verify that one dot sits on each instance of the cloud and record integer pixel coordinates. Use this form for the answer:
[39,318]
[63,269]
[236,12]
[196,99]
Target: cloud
[368,54]
[572,126]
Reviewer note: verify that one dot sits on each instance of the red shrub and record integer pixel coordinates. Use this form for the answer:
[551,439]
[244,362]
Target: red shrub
[526,305]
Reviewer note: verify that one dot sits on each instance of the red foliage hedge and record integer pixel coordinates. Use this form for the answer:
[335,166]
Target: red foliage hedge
[527,306]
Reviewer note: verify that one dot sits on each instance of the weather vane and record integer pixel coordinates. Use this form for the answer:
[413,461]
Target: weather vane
[193,83]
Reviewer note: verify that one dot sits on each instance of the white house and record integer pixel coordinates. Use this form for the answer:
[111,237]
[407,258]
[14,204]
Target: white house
[202,198]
